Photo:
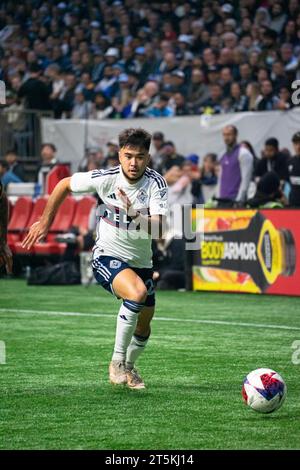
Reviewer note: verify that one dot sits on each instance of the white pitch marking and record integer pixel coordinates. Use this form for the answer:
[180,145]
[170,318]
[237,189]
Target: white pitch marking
[171,319]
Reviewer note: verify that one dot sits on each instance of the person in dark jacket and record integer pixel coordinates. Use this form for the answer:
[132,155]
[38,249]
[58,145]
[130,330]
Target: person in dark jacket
[294,172]
[272,160]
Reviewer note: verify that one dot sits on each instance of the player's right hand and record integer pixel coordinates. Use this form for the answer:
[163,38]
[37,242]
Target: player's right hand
[36,233]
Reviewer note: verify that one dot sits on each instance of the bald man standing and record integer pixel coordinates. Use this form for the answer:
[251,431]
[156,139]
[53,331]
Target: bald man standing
[236,168]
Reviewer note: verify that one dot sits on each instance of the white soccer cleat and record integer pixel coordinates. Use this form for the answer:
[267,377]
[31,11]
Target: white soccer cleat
[134,380]
[117,373]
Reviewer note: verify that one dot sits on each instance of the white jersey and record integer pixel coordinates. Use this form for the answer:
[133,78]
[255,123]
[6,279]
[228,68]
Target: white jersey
[117,234]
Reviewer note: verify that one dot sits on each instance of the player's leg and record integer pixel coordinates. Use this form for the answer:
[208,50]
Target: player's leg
[137,346]
[130,287]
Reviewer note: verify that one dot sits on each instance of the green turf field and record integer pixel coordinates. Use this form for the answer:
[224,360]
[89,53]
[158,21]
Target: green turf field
[54,390]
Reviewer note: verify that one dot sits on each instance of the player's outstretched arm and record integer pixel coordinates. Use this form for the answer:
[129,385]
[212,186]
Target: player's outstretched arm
[39,229]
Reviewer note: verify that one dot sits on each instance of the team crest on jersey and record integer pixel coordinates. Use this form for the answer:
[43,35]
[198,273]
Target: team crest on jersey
[142,196]
[115,264]
[162,193]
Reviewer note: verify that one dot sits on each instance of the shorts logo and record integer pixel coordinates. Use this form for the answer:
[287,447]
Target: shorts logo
[115,264]
[162,193]
[142,196]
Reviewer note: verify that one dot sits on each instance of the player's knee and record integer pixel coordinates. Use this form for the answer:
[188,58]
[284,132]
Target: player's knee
[139,294]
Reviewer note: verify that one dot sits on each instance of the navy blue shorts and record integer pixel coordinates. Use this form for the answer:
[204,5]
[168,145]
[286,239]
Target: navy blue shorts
[105,269]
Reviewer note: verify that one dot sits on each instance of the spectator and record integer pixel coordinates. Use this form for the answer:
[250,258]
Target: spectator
[112,152]
[268,100]
[56,84]
[213,105]
[226,79]
[34,91]
[48,161]
[158,140]
[272,160]
[160,108]
[236,168]
[208,177]
[6,175]
[253,96]
[16,167]
[102,108]
[284,103]
[294,172]
[82,108]
[144,100]
[197,92]
[238,100]
[179,105]
[170,158]
[269,193]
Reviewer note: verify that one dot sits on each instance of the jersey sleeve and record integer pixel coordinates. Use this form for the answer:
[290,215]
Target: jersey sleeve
[159,200]
[84,182]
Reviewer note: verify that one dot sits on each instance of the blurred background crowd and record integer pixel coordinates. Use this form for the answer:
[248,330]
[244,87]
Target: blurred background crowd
[121,59]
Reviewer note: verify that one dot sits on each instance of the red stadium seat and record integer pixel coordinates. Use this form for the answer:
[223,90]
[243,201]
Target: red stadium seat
[62,222]
[37,211]
[19,220]
[83,210]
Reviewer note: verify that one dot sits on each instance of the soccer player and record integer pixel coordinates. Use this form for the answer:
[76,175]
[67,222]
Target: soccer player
[5,253]
[134,206]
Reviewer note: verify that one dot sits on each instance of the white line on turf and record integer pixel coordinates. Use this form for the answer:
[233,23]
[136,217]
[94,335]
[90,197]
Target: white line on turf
[171,319]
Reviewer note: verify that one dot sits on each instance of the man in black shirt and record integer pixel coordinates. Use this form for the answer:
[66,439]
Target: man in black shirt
[272,160]
[34,91]
[294,172]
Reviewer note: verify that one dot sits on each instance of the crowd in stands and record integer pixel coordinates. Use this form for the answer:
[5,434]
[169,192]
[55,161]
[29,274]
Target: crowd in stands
[130,58]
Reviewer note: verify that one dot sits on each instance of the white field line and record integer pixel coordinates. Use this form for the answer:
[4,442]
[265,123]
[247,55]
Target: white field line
[157,318]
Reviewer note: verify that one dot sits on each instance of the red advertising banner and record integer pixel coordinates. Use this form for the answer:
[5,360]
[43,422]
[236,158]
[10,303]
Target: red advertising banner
[255,251]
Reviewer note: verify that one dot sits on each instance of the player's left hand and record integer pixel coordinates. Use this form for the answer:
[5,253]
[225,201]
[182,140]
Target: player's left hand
[6,258]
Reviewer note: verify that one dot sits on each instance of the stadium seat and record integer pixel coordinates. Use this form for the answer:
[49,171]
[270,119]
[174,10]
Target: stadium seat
[19,221]
[83,210]
[36,213]
[62,222]
[56,174]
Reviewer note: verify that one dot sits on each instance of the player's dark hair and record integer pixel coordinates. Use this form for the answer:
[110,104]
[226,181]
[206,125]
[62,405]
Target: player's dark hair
[135,138]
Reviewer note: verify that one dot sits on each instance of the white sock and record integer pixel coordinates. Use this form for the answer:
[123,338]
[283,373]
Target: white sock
[126,324]
[135,349]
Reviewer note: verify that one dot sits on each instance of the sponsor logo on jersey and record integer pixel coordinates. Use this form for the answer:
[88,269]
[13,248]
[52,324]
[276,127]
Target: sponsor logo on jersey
[112,196]
[163,192]
[115,264]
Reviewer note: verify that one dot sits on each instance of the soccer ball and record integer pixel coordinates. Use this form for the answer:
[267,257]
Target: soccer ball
[264,390]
